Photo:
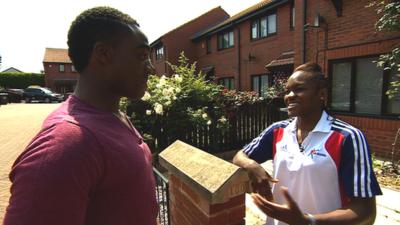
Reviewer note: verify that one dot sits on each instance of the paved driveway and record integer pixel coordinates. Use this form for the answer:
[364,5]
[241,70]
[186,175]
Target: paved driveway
[18,124]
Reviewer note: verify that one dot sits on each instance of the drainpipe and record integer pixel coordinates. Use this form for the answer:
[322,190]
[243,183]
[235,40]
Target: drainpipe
[239,60]
[303,32]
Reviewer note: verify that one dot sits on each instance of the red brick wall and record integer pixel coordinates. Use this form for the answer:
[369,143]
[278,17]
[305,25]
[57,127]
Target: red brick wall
[179,40]
[380,133]
[224,61]
[188,207]
[265,50]
[52,72]
[343,36]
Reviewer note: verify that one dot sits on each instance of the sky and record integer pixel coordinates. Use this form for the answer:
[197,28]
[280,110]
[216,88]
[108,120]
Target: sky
[27,27]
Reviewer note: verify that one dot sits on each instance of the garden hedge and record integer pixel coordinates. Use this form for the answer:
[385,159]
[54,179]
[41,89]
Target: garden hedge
[21,80]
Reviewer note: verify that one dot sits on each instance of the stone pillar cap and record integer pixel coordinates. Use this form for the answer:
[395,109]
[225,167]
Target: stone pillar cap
[215,179]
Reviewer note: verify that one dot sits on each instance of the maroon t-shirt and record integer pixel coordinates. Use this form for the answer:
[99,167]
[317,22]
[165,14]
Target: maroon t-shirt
[84,167]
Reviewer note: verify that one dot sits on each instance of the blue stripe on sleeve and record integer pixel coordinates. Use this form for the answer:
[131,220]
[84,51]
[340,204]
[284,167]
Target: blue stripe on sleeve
[356,170]
[260,149]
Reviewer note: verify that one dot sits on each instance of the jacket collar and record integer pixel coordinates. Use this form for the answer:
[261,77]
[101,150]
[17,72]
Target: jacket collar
[324,124]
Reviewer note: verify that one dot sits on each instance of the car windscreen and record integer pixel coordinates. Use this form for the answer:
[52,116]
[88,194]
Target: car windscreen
[46,91]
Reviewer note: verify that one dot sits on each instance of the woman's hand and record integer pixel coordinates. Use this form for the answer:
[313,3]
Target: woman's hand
[260,180]
[289,213]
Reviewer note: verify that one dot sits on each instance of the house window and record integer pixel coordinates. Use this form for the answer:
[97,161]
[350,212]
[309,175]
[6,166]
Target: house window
[62,68]
[263,26]
[225,40]
[208,45]
[292,17]
[73,68]
[259,84]
[393,104]
[160,52]
[254,30]
[227,82]
[359,86]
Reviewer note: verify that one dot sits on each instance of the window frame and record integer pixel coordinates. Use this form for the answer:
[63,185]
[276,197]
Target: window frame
[384,98]
[259,76]
[158,55]
[61,66]
[221,35]
[208,45]
[257,21]
[220,79]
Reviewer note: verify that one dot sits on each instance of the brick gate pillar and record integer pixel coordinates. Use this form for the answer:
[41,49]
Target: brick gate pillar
[204,189]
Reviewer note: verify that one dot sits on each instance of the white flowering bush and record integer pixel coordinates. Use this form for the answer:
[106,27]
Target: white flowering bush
[176,105]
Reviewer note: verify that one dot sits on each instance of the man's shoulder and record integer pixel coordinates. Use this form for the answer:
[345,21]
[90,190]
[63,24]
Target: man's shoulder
[71,117]
[63,133]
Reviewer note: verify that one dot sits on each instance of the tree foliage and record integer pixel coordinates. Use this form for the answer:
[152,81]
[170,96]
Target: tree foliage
[389,21]
[21,80]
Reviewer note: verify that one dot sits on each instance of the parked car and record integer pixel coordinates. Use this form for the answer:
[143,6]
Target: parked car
[3,98]
[14,95]
[41,94]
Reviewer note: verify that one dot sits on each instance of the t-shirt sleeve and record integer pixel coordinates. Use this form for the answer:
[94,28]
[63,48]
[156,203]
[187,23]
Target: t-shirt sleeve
[53,178]
[260,149]
[356,172]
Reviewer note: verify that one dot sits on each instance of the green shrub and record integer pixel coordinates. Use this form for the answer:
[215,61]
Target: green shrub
[173,106]
[21,80]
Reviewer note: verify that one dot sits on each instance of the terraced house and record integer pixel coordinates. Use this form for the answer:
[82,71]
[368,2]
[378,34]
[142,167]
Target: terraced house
[250,50]
[60,74]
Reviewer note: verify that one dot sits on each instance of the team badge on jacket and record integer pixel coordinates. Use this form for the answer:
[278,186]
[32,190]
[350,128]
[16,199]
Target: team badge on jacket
[316,152]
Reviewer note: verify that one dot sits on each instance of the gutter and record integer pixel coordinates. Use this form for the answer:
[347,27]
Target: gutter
[303,32]
[239,60]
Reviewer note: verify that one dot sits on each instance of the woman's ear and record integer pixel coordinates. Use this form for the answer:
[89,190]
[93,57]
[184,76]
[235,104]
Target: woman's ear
[323,94]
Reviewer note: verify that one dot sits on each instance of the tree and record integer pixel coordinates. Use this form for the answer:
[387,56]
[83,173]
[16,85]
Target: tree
[389,21]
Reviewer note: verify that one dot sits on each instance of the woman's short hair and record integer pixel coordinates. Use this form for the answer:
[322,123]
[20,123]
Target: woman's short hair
[315,73]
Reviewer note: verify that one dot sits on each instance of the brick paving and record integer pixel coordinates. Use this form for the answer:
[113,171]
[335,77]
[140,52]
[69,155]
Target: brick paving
[18,124]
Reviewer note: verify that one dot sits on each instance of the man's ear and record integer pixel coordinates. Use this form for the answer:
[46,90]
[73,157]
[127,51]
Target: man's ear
[103,53]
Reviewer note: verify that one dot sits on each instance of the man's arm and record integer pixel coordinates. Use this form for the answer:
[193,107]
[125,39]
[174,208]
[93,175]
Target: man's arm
[52,180]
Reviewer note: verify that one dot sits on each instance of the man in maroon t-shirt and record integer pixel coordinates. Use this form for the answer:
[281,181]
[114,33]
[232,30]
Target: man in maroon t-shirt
[88,164]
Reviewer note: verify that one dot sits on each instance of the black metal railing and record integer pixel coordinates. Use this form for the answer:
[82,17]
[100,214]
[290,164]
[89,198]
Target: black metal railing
[245,123]
[162,197]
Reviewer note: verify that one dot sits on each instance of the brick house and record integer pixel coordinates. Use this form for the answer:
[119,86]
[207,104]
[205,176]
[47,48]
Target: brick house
[237,50]
[247,51]
[345,45]
[170,45]
[60,75]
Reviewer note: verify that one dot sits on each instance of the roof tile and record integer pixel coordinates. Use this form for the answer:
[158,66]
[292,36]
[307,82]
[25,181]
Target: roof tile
[56,55]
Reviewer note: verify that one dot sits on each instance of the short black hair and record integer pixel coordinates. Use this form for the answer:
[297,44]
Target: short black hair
[94,25]
[315,71]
